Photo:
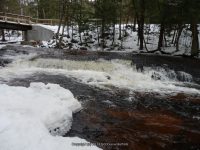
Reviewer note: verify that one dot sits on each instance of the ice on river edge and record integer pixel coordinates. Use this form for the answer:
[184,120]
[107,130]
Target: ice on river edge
[29,117]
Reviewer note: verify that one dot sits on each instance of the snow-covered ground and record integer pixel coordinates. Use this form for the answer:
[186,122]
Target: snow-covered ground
[1,46]
[12,37]
[89,39]
[129,39]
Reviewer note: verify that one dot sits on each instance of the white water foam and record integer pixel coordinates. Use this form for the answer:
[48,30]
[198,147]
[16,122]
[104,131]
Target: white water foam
[101,73]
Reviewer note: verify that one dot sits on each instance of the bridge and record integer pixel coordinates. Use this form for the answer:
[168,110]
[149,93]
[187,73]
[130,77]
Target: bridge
[23,23]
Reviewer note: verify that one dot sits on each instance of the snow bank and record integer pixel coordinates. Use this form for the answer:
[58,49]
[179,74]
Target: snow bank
[12,36]
[1,46]
[28,114]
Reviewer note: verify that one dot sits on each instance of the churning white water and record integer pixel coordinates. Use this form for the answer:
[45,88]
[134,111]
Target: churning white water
[102,73]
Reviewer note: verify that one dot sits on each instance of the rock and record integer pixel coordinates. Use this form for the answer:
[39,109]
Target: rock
[31,43]
[156,76]
[83,48]
[70,45]
[74,41]
[68,36]
[140,67]
[108,77]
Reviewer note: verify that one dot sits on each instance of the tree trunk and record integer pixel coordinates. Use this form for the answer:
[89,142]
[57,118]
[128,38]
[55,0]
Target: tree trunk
[44,15]
[21,8]
[135,15]
[174,35]
[195,40]
[148,33]
[165,39]
[80,21]
[113,34]
[72,31]
[180,29]
[68,22]
[160,42]
[3,35]
[103,34]
[63,30]
[138,32]
[135,21]
[62,14]
[97,32]
[37,1]
[141,34]
[141,22]
[120,21]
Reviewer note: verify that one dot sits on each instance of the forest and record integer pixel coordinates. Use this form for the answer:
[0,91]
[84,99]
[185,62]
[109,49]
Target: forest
[175,22]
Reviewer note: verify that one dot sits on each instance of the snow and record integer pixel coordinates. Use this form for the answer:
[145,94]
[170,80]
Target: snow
[196,117]
[52,28]
[129,39]
[1,46]
[29,117]
[12,37]
[129,42]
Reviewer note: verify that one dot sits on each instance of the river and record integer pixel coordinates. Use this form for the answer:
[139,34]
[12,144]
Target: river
[158,108]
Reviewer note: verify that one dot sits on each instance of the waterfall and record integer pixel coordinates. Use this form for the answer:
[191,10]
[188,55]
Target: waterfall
[165,74]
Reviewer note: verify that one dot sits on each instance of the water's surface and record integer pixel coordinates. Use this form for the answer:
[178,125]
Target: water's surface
[150,110]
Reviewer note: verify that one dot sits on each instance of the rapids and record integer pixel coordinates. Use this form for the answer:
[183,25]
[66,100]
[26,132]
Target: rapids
[158,108]
[104,73]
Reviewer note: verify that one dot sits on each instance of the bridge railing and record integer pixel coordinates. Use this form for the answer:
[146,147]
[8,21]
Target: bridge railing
[9,17]
[45,21]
